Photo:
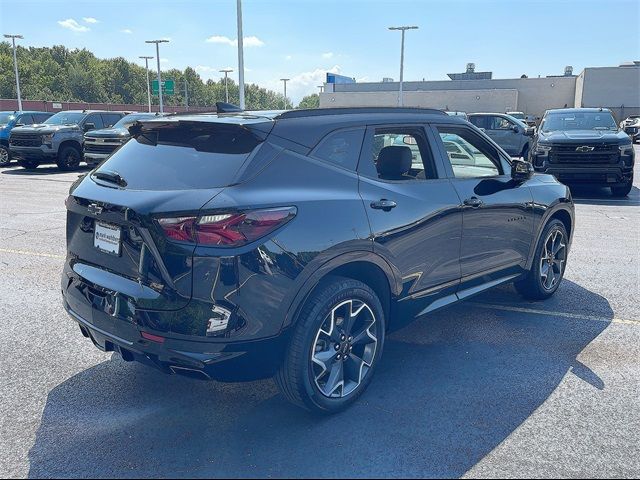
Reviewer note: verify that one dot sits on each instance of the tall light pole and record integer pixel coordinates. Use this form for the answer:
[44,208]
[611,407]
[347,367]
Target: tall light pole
[226,72]
[402,29]
[146,68]
[158,42]
[240,55]
[15,66]
[285,80]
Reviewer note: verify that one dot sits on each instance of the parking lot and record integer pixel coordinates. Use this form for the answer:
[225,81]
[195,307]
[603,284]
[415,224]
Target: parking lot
[493,387]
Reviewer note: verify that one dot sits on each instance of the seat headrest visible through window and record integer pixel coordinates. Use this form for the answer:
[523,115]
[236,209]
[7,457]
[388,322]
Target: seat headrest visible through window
[394,162]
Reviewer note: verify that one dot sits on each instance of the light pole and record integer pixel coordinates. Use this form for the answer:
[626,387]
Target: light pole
[158,42]
[226,72]
[321,88]
[402,29]
[240,55]
[15,66]
[285,80]
[146,68]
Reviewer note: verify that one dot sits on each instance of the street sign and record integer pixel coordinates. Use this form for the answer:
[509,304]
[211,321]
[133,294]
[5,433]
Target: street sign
[168,87]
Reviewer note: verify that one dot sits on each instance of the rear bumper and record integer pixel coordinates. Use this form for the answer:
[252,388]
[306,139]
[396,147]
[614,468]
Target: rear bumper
[227,362]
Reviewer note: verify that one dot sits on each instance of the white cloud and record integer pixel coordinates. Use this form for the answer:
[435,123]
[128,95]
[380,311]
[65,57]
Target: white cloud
[327,55]
[72,25]
[164,60]
[304,83]
[247,42]
[288,57]
[90,20]
[128,31]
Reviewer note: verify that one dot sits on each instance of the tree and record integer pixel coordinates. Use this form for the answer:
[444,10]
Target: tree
[310,101]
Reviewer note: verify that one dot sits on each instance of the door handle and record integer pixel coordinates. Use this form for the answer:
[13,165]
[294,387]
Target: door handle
[384,204]
[473,202]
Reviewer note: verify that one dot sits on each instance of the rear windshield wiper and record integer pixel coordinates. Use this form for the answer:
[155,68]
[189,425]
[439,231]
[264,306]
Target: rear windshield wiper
[111,177]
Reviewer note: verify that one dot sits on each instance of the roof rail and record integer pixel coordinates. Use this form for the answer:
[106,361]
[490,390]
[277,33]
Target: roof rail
[317,112]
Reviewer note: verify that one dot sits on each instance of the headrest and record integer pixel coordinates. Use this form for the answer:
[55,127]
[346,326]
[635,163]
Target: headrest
[394,161]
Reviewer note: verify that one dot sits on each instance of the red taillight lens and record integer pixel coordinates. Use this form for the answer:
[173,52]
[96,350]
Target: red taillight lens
[226,229]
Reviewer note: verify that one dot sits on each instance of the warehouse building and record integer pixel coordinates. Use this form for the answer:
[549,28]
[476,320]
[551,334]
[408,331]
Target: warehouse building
[617,88]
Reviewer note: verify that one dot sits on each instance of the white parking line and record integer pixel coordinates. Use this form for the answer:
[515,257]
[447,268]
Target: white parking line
[552,313]
[31,254]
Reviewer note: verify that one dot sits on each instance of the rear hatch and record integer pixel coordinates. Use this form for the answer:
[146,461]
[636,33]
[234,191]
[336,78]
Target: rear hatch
[170,169]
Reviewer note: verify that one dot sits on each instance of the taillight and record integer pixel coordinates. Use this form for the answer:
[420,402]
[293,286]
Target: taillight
[226,229]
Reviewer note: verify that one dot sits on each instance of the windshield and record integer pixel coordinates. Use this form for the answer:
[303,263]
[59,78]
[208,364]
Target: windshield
[6,118]
[65,118]
[128,120]
[578,121]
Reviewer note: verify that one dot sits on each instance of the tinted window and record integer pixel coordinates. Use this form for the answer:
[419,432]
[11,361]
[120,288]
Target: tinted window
[341,148]
[499,123]
[179,157]
[576,120]
[96,119]
[479,121]
[26,120]
[470,156]
[110,119]
[41,117]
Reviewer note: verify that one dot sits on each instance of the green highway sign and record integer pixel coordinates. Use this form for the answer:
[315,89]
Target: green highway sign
[168,87]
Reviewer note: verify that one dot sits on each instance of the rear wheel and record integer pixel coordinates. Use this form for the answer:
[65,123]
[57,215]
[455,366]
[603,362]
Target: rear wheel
[335,347]
[69,158]
[5,156]
[549,263]
[28,164]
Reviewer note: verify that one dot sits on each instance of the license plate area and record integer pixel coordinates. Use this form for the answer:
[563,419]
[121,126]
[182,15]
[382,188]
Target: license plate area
[107,238]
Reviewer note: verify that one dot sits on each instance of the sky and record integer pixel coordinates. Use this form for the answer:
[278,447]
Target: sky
[304,39]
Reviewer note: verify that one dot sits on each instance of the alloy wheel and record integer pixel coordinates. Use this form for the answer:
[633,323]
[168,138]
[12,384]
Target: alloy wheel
[344,348]
[552,260]
[4,157]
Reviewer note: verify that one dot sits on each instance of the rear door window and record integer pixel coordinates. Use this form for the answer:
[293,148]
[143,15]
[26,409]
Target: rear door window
[96,119]
[180,157]
[479,121]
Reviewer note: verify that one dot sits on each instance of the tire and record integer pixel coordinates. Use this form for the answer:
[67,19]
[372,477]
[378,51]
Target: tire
[69,158]
[28,164]
[535,285]
[316,353]
[5,156]
[622,191]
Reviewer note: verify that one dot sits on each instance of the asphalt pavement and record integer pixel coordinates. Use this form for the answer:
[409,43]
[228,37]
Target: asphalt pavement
[493,387]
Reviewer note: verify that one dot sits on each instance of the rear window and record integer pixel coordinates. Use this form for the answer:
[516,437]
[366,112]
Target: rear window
[181,157]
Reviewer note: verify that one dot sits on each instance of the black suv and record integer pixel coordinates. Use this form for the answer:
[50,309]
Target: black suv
[584,146]
[247,245]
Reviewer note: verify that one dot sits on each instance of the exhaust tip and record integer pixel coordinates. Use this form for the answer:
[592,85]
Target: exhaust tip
[189,372]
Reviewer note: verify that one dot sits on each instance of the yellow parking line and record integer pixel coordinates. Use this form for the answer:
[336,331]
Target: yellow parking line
[31,254]
[552,313]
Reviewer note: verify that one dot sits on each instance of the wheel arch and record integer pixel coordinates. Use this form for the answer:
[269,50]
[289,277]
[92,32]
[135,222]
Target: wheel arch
[560,212]
[367,267]
[69,143]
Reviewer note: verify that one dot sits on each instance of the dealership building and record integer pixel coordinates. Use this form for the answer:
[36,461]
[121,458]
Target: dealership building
[616,88]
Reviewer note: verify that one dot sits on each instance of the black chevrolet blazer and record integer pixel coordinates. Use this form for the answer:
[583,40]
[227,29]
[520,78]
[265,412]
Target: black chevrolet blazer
[247,245]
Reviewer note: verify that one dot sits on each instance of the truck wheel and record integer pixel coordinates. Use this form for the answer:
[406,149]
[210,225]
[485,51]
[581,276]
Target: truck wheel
[28,164]
[549,263]
[622,191]
[335,347]
[5,156]
[69,158]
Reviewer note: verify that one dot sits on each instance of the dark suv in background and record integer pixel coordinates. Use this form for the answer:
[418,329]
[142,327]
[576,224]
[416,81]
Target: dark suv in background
[59,139]
[99,144]
[584,146]
[247,245]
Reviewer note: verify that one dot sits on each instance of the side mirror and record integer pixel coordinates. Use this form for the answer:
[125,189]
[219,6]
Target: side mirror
[89,126]
[515,129]
[521,170]
[530,132]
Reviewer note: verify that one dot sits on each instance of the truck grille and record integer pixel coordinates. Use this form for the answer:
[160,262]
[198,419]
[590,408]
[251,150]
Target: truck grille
[106,146]
[25,139]
[601,154]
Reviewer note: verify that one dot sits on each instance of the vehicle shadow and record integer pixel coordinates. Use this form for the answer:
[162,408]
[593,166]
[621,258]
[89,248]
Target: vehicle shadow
[42,170]
[602,196]
[451,387]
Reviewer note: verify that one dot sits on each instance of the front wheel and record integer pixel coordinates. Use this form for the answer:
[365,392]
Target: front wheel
[335,347]
[5,156]
[623,190]
[69,158]
[549,263]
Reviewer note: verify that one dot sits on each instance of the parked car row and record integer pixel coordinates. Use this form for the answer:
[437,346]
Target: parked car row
[65,138]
